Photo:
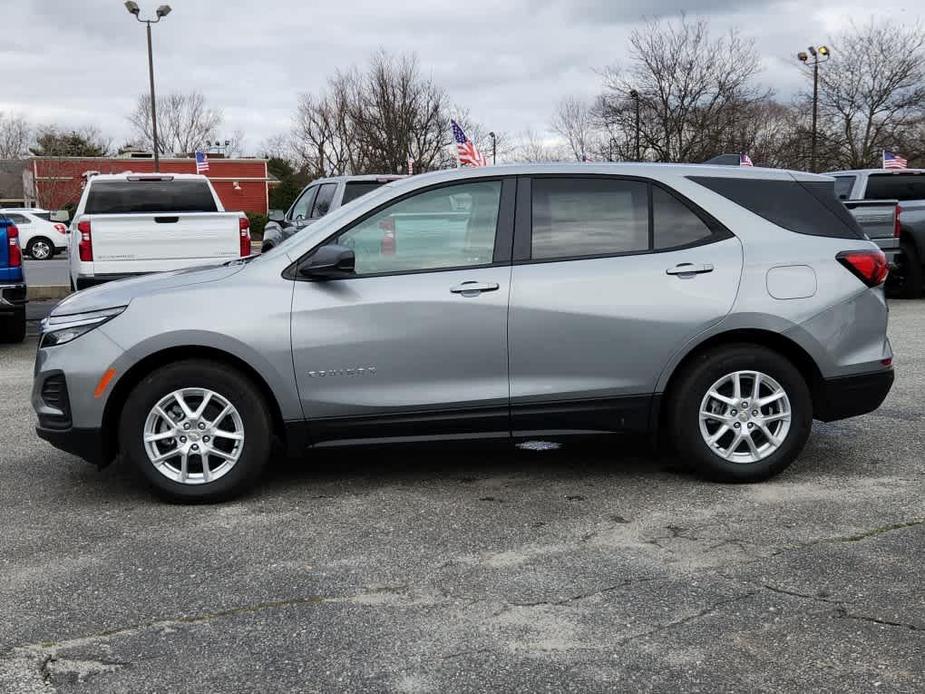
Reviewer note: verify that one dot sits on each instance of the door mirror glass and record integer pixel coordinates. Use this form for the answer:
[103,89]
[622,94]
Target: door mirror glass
[277,216]
[60,216]
[329,262]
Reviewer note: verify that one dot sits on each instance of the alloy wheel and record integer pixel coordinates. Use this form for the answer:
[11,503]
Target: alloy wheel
[745,416]
[40,250]
[193,436]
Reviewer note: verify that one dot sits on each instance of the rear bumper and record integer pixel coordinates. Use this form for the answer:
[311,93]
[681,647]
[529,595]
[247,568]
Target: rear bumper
[88,444]
[12,297]
[850,396]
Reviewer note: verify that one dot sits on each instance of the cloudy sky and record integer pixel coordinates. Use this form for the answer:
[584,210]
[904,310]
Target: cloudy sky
[79,62]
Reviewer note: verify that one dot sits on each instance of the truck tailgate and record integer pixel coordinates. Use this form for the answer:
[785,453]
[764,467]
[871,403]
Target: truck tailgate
[876,217]
[124,243]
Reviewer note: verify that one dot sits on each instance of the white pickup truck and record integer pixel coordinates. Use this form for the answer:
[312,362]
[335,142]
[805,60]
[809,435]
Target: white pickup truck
[132,224]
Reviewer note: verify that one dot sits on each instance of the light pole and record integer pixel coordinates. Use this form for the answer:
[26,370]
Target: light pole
[634,95]
[494,148]
[818,55]
[160,13]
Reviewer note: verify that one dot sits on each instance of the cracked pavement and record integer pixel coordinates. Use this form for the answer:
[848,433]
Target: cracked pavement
[596,567]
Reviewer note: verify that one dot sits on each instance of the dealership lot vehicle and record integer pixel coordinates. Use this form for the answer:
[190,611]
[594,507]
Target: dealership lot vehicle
[12,284]
[591,568]
[39,237]
[907,186]
[318,199]
[133,224]
[577,300]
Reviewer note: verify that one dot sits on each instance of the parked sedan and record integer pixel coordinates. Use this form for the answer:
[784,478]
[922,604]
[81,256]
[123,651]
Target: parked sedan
[40,237]
[318,199]
[725,308]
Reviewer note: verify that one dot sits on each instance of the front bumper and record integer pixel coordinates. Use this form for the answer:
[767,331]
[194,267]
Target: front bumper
[89,444]
[850,396]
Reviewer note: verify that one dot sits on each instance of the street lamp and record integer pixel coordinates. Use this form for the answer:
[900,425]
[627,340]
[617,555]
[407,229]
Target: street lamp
[160,13]
[634,95]
[494,148]
[814,57]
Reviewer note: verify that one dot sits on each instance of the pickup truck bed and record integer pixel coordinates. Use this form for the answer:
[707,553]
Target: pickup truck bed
[878,220]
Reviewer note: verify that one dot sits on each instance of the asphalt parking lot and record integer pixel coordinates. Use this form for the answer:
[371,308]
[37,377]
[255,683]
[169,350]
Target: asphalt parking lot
[596,567]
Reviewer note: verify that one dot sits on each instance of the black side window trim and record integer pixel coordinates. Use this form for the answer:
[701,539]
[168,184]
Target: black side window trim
[523,240]
[504,232]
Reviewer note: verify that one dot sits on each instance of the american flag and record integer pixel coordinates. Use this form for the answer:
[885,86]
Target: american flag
[202,162]
[745,160]
[893,161]
[466,153]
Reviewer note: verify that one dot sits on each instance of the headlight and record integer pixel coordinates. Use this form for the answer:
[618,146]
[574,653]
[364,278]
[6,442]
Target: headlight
[57,330]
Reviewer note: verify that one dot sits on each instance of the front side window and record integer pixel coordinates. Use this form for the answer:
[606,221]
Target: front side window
[675,224]
[303,206]
[574,217]
[449,227]
[324,199]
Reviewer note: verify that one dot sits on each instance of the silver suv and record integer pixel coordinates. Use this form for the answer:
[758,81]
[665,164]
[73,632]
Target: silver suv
[725,307]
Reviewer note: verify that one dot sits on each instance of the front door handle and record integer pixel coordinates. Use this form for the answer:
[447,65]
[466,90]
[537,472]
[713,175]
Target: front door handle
[687,269]
[473,288]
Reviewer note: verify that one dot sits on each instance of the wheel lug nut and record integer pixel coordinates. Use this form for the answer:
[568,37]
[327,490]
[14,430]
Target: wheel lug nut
[737,425]
[195,447]
[733,413]
[201,425]
[754,413]
[182,439]
[744,405]
[750,425]
[205,438]
[186,426]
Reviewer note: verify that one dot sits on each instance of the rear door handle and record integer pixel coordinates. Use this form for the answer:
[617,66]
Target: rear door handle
[473,288]
[690,269]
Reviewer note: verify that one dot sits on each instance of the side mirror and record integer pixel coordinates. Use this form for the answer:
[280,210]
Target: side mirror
[60,216]
[277,216]
[329,262]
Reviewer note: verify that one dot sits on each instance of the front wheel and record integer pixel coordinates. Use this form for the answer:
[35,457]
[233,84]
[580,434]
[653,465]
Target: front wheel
[197,431]
[740,413]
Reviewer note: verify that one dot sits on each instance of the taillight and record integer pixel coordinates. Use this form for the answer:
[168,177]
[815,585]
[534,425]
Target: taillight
[12,233]
[897,225]
[85,245]
[60,228]
[869,266]
[244,225]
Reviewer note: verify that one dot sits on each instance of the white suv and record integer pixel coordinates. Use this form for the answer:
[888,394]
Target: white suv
[39,237]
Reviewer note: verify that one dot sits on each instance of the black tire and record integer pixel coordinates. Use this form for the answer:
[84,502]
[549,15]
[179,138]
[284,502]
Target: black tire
[13,327]
[906,280]
[228,383]
[41,242]
[698,377]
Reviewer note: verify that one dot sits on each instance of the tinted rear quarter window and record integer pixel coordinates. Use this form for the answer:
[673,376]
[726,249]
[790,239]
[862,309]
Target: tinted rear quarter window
[120,197]
[356,189]
[804,207]
[843,186]
[895,187]
[675,224]
[575,217]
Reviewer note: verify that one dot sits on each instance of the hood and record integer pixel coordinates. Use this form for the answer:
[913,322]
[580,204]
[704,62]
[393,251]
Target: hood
[121,292]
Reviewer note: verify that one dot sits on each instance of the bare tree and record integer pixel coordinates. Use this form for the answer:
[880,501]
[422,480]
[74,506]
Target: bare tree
[184,122]
[575,121]
[532,148]
[16,134]
[872,94]
[692,90]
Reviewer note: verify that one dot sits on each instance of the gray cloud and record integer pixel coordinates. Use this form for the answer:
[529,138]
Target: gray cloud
[507,63]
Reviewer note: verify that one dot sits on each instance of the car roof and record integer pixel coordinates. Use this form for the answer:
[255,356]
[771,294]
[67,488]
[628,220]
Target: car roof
[26,210]
[874,171]
[384,178]
[126,175]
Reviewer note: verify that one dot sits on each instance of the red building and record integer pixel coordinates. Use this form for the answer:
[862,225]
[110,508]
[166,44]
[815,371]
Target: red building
[53,182]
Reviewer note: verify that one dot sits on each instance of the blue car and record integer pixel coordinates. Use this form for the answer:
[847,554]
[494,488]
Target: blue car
[12,284]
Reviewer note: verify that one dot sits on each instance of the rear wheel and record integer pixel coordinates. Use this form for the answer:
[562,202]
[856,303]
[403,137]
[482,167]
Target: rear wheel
[740,413]
[197,430]
[906,280]
[13,327]
[40,248]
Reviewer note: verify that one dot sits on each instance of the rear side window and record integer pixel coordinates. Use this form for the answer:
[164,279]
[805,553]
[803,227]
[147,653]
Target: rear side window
[575,217]
[674,222]
[843,186]
[323,201]
[118,197]
[357,189]
[895,186]
[804,207]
